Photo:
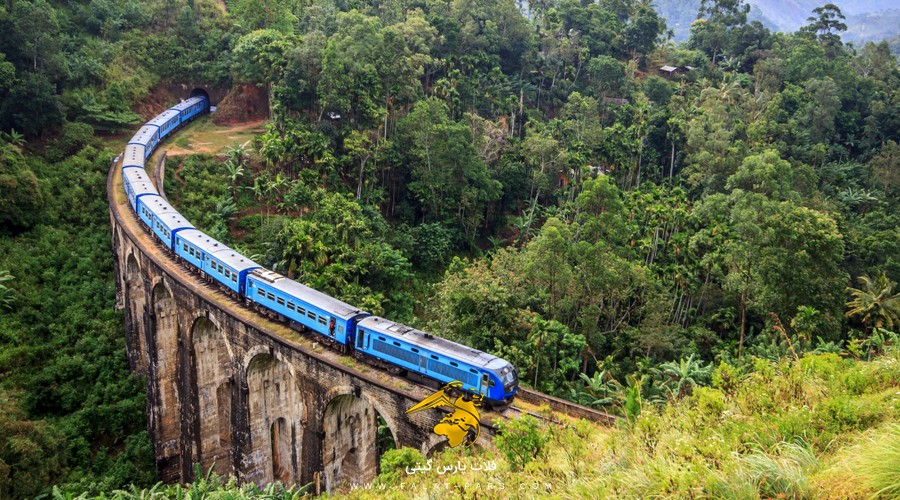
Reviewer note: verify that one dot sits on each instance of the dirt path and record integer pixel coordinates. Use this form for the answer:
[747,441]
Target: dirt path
[206,137]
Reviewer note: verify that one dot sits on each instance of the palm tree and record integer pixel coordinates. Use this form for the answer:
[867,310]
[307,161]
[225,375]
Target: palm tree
[682,375]
[599,390]
[235,171]
[14,138]
[238,153]
[7,295]
[875,304]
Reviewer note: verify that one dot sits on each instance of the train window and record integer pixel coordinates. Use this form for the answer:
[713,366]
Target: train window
[261,292]
[234,277]
[413,349]
[291,306]
[434,357]
[270,296]
[280,301]
[311,314]
[227,273]
[322,320]
[381,338]
[186,248]
[473,371]
[301,310]
[453,363]
[396,344]
[221,268]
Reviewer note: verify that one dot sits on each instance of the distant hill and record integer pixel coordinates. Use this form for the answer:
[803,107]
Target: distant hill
[679,15]
[872,27]
[867,20]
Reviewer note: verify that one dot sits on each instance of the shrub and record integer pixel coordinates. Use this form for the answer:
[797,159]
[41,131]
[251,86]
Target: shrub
[395,462]
[521,440]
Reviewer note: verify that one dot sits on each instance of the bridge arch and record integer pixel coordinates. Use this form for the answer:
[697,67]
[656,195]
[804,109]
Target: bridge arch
[435,444]
[276,420]
[215,388]
[351,447]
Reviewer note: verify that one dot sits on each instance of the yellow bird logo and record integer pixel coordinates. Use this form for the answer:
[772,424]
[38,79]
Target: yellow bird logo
[463,425]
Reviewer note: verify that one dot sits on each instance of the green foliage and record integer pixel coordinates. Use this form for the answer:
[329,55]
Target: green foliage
[521,440]
[394,464]
[30,451]
[20,196]
[75,413]
[449,180]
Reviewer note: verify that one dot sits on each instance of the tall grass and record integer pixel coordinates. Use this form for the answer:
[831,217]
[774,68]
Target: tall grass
[784,471]
[878,462]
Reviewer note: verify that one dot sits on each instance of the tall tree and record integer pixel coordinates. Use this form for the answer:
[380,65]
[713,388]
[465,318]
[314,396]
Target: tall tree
[826,25]
[716,27]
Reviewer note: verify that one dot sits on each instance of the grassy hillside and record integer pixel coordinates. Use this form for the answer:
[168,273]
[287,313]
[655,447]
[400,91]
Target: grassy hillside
[821,427]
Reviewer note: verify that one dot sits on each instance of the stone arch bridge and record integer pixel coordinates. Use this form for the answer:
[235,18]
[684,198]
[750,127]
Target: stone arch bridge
[231,390]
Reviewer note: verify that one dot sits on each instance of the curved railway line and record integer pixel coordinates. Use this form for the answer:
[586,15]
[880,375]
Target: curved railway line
[401,386]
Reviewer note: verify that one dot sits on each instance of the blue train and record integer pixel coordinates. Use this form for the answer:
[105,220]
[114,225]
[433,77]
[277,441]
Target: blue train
[398,348]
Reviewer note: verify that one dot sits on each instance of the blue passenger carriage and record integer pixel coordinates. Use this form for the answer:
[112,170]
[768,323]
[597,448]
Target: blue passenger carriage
[166,122]
[439,359]
[137,184]
[193,245]
[303,305]
[164,221]
[189,108]
[147,136]
[214,258]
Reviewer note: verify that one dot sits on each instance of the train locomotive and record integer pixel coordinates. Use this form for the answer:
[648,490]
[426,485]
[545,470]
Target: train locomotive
[398,348]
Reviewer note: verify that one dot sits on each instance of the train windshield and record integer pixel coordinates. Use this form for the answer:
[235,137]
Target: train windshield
[508,376]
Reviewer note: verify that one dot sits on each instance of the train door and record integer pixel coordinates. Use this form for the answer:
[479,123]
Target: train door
[485,384]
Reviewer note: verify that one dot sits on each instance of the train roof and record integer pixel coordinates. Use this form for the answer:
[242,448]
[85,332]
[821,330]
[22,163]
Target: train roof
[166,213]
[134,156]
[439,345]
[135,175]
[142,188]
[183,105]
[202,241]
[163,117]
[231,258]
[309,295]
[143,135]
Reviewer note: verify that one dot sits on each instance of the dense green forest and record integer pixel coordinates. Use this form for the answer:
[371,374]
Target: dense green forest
[527,183]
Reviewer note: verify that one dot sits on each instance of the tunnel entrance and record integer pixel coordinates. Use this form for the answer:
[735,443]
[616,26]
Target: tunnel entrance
[201,92]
